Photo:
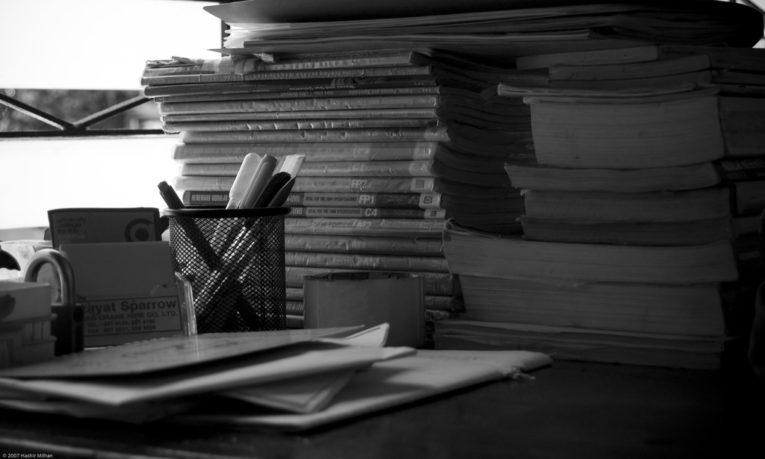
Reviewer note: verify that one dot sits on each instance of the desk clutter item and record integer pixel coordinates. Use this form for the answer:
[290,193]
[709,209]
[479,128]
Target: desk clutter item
[305,378]
[112,278]
[16,253]
[52,267]
[25,323]
[127,292]
[346,298]
[104,224]
[234,259]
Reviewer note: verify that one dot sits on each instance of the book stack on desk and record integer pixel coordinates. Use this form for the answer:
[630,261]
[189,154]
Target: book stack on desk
[473,46]
[620,170]
[387,158]
[485,28]
[359,89]
[377,127]
[647,305]
[401,122]
[739,75]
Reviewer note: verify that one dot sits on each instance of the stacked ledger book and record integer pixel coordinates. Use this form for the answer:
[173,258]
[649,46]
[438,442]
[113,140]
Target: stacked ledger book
[397,115]
[633,231]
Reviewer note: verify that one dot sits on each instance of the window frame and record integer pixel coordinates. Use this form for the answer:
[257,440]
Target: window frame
[82,127]
[79,128]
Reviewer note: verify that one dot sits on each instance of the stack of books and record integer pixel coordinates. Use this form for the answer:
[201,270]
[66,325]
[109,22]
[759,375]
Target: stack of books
[739,74]
[493,30]
[25,323]
[394,142]
[647,305]
[629,239]
[381,130]
[390,108]
[736,76]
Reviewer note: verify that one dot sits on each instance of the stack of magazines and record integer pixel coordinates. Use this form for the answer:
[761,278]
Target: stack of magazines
[396,111]
[395,142]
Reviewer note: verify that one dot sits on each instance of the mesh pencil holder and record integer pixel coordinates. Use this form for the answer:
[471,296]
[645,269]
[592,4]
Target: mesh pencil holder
[234,260]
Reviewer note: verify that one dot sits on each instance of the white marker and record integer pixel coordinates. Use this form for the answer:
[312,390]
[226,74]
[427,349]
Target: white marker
[243,177]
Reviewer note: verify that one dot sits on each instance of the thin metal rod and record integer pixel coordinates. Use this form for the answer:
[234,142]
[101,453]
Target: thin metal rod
[32,112]
[81,133]
[110,112]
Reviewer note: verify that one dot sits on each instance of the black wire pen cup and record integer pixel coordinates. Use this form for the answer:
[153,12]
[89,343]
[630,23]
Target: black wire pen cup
[234,260]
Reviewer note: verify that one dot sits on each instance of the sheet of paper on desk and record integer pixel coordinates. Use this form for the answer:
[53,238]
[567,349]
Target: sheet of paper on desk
[394,382]
[306,395]
[297,394]
[136,413]
[168,353]
[287,362]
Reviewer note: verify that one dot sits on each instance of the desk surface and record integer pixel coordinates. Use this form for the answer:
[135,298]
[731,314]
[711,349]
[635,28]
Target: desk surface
[569,410]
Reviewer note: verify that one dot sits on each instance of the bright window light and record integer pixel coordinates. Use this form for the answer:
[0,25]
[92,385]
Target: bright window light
[43,174]
[90,44]
[98,44]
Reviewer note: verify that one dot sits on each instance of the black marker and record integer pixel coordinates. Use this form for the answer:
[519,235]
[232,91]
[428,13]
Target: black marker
[272,188]
[170,196]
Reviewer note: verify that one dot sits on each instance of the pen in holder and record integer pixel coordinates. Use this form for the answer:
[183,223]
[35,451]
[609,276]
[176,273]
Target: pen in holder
[234,259]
